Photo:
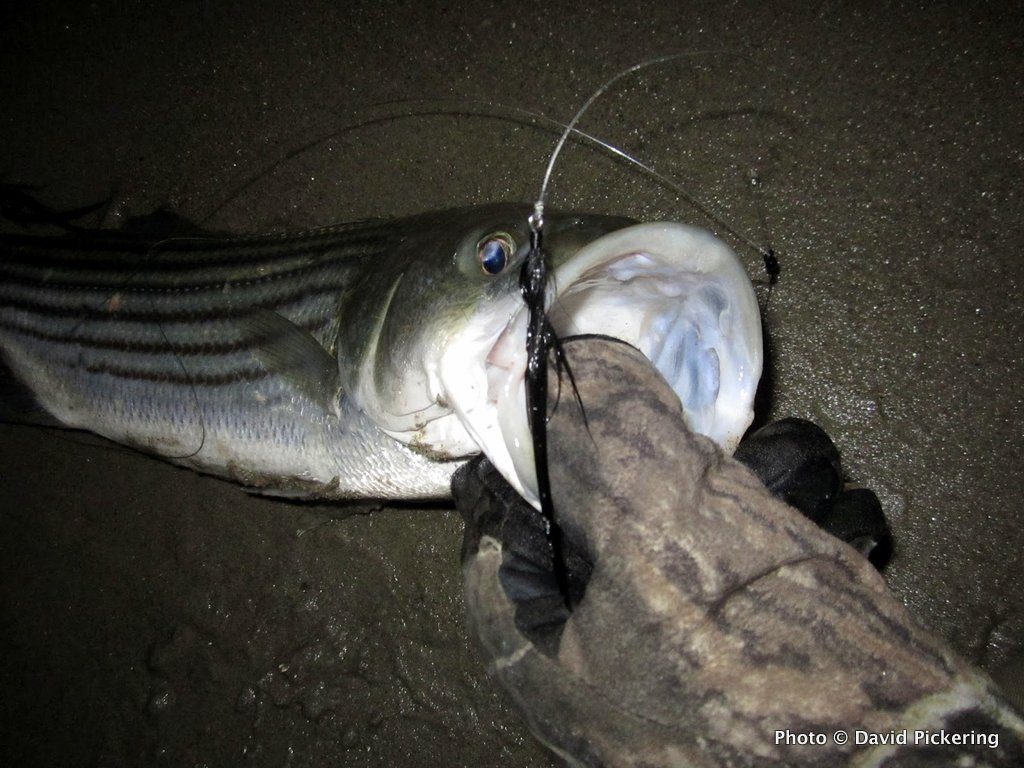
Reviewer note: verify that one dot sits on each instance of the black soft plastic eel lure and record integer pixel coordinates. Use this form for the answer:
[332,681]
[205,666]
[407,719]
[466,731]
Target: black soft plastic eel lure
[540,340]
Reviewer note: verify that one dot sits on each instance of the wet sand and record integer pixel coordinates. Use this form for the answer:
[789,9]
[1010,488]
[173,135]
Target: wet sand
[149,615]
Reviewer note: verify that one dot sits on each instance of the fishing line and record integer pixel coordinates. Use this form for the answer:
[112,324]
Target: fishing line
[772,267]
[542,195]
[191,386]
[147,261]
[61,431]
[541,338]
[532,119]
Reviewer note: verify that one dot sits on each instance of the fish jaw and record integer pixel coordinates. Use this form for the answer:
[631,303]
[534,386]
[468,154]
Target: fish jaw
[675,292]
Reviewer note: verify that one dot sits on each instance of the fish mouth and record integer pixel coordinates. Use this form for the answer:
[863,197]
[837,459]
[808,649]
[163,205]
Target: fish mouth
[675,292]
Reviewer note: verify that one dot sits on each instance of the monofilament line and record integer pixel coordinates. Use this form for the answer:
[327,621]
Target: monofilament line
[538,206]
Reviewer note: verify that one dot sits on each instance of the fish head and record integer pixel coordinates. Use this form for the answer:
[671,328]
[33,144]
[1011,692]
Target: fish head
[445,275]
[443,365]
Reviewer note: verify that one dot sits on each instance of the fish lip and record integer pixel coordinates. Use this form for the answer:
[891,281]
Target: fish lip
[668,266]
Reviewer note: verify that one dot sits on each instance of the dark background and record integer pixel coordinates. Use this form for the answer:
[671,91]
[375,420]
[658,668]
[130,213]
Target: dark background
[149,615]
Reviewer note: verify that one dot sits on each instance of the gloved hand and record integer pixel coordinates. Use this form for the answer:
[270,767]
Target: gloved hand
[698,620]
[798,463]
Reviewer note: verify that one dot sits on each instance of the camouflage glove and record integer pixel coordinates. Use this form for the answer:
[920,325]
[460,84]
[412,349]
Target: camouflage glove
[704,622]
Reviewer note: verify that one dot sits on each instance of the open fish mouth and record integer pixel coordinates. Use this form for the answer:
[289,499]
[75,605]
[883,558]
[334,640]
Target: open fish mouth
[675,292]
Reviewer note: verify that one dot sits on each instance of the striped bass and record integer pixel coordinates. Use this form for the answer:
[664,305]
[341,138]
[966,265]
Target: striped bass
[369,359]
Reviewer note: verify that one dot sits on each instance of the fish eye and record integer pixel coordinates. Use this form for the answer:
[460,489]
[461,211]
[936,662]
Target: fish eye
[494,252]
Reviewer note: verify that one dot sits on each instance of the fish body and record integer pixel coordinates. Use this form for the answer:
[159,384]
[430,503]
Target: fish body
[368,359]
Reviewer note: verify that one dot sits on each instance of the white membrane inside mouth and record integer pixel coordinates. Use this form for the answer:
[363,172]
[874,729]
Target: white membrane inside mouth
[676,293]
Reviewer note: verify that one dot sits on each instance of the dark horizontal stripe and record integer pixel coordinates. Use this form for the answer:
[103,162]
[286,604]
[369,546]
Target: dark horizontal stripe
[235,310]
[168,269]
[179,377]
[92,253]
[136,283]
[119,343]
[155,274]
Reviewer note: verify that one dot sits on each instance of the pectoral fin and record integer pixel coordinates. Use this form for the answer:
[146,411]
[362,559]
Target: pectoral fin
[292,353]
